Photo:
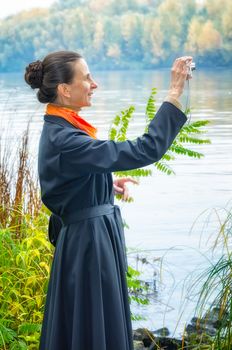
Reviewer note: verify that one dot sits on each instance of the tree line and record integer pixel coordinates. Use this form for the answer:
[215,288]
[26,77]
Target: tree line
[121,34]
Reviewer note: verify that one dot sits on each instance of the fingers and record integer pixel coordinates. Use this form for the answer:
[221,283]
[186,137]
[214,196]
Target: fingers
[181,63]
[123,191]
[129,179]
[185,59]
[121,188]
[126,193]
[118,189]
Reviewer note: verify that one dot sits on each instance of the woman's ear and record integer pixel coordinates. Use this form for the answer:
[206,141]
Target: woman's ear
[63,90]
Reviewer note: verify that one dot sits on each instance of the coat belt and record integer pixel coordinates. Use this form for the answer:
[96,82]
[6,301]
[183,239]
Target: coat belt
[87,213]
[56,222]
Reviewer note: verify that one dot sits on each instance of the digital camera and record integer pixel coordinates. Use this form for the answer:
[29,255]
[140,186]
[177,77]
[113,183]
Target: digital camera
[192,67]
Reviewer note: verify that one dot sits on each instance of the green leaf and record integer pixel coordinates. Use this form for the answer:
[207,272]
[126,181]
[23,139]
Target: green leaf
[188,139]
[18,345]
[6,335]
[164,168]
[29,328]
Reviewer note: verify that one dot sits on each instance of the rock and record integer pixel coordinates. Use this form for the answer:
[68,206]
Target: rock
[214,318]
[210,330]
[163,332]
[166,343]
[198,323]
[137,334]
[208,324]
[144,335]
[199,329]
[195,321]
[138,345]
[190,329]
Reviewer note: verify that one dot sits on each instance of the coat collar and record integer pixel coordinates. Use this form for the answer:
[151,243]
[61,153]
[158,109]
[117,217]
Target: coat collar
[58,120]
[61,121]
[72,117]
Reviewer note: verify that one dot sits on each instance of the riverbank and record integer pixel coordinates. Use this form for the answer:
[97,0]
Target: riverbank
[199,334]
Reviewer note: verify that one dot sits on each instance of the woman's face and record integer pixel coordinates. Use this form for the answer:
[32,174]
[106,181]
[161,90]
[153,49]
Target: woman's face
[82,86]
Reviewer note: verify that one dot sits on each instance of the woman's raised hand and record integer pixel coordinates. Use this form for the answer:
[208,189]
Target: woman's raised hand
[179,74]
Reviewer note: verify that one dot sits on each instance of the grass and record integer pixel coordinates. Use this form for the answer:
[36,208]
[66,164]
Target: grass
[25,253]
[216,287]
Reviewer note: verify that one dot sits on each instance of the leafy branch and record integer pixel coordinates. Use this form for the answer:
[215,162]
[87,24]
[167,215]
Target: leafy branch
[191,134]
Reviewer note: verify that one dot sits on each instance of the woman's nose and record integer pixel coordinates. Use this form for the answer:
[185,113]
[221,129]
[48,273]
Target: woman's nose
[94,85]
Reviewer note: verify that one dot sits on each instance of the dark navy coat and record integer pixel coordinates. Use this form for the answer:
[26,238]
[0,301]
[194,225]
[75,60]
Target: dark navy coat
[87,304]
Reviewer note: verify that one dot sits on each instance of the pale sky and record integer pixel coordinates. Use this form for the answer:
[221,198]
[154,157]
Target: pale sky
[10,7]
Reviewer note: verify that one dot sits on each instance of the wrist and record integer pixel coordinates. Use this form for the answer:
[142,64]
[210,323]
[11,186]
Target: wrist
[174,101]
[174,94]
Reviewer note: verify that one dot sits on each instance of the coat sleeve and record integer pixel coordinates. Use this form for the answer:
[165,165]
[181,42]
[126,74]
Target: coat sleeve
[82,154]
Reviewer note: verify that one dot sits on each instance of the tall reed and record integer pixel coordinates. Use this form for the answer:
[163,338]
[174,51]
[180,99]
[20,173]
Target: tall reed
[25,252]
[19,190]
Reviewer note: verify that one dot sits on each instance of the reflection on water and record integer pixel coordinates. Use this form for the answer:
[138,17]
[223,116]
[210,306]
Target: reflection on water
[165,206]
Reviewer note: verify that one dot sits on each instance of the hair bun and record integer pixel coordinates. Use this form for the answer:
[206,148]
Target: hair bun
[34,74]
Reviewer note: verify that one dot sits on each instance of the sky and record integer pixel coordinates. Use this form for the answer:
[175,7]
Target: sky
[11,7]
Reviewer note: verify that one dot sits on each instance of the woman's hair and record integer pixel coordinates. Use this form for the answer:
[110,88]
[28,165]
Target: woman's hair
[56,68]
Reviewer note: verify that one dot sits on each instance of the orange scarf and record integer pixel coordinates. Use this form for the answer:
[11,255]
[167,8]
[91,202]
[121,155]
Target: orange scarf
[72,117]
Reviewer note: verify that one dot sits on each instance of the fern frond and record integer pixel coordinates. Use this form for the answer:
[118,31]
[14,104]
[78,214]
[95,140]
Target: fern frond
[164,168]
[150,108]
[134,173]
[194,127]
[116,120]
[167,156]
[127,115]
[191,130]
[112,134]
[189,134]
[188,139]
[199,123]
[178,149]
[120,123]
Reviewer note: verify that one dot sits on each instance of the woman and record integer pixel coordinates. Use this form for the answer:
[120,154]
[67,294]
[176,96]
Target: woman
[87,299]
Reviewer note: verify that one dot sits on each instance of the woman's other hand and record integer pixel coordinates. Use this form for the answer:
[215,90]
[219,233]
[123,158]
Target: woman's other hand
[120,186]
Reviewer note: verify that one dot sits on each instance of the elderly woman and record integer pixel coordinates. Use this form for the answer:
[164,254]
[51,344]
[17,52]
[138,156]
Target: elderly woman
[87,305]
